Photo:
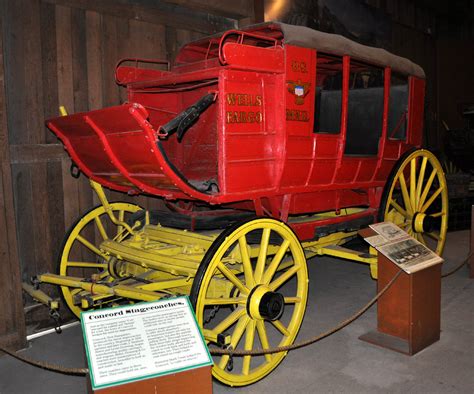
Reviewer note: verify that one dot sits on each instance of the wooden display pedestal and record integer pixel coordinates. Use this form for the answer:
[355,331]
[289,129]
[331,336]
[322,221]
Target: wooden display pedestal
[408,314]
[194,381]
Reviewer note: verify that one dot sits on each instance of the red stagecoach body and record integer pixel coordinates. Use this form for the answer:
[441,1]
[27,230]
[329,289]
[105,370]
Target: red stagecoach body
[279,131]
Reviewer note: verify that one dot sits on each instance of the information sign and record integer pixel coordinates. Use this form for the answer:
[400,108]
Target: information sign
[398,246]
[141,341]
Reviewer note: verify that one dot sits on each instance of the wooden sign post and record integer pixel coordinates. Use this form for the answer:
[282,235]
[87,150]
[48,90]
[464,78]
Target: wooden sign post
[408,313]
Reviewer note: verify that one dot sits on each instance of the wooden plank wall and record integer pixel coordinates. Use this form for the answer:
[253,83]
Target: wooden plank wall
[12,324]
[63,52]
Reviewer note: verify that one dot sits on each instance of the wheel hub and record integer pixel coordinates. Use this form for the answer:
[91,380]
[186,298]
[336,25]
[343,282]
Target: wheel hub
[423,223]
[264,304]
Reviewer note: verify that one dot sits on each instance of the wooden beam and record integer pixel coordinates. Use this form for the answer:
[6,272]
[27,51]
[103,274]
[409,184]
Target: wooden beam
[159,13]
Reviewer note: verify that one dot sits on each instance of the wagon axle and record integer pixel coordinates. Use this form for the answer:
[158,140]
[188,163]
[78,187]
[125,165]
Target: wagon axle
[262,303]
[423,223]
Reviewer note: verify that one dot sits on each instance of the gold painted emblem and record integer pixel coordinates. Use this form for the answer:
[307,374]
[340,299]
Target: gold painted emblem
[299,90]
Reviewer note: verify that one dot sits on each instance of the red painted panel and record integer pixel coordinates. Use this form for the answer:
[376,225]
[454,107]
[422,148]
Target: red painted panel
[296,173]
[299,98]
[367,169]
[327,146]
[323,172]
[384,170]
[392,149]
[248,147]
[248,103]
[243,176]
[246,56]
[347,170]
[299,148]
[416,110]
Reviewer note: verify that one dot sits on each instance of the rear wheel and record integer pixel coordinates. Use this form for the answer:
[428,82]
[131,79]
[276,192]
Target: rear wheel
[80,254]
[250,291]
[416,199]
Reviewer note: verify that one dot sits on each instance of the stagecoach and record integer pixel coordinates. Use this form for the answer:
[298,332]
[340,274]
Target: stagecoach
[267,146]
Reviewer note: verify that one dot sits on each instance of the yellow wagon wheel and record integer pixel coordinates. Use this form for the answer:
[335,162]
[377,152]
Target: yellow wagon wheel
[80,254]
[250,292]
[416,199]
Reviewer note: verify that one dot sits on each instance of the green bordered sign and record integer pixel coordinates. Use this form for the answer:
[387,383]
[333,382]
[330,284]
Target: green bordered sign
[141,341]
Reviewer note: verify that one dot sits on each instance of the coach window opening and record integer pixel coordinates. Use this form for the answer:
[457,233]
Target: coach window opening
[328,100]
[365,109]
[398,107]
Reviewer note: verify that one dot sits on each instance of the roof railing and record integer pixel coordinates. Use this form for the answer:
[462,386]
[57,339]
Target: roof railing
[241,36]
[137,61]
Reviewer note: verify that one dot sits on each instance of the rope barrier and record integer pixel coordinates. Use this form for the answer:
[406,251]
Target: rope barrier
[45,365]
[261,352]
[456,269]
[237,353]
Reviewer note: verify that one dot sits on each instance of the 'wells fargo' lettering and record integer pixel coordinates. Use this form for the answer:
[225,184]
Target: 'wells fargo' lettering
[299,116]
[244,117]
[243,99]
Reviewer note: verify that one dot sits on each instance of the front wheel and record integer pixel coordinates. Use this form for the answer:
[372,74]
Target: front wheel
[250,291]
[80,254]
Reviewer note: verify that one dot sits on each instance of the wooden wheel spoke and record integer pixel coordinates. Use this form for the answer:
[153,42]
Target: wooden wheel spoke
[427,188]
[413,183]
[437,214]
[280,327]
[433,197]
[421,178]
[235,339]
[225,301]
[434,236]
[272,268]
[283,278]
[405,195]
[101,228]
[233,278]
[292,300]
[228,321]
[421,238]
[249,338]
[399,209]
[246,263]
[85,264]
[90,246]
[121,215]
[262,334]
[262,255]
[405,225]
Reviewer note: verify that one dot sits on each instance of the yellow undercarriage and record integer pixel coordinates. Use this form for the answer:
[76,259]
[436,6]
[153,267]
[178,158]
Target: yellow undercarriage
[157,261]
[256,271]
